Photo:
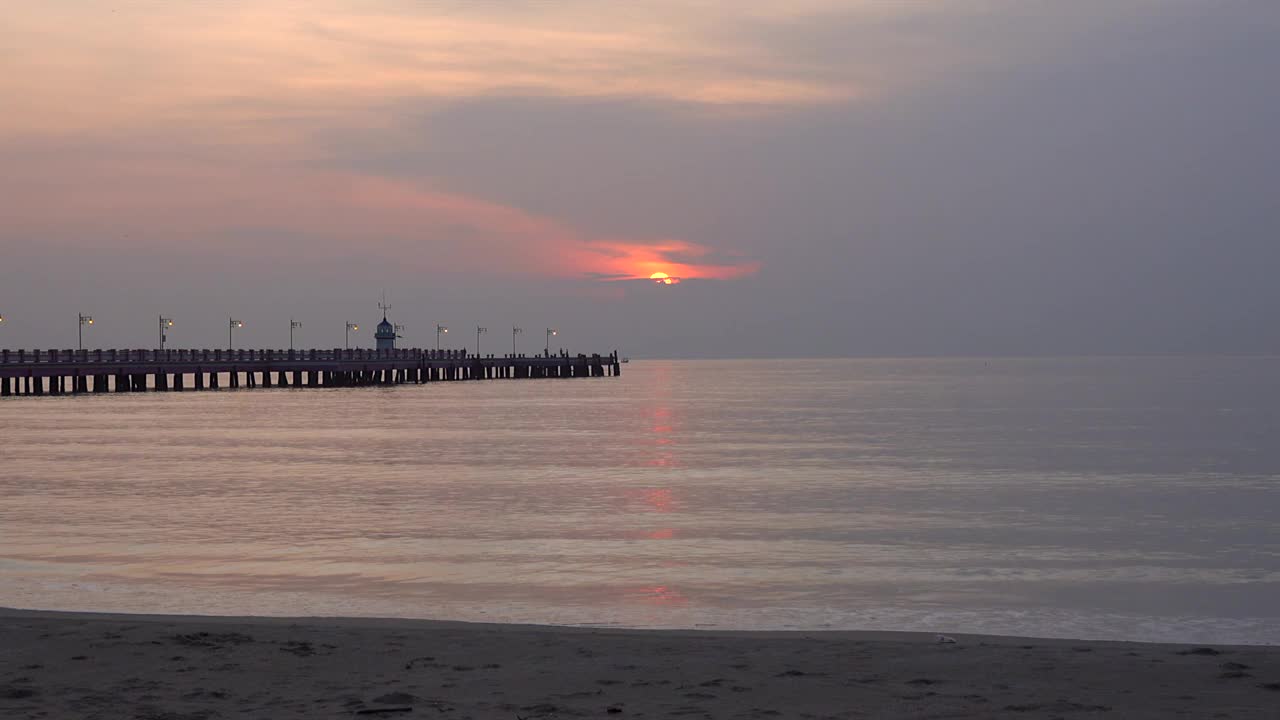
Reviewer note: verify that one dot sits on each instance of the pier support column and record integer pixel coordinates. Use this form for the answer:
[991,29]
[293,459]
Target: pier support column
[177,382]
[199,379]
[213,380]
[162,381]
[5,387]
[266,378]
[234,377]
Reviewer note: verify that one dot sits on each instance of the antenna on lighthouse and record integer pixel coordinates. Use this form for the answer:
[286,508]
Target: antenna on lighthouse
[384,305]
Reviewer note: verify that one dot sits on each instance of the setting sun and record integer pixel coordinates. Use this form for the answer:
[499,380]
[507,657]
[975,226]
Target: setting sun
[663,279]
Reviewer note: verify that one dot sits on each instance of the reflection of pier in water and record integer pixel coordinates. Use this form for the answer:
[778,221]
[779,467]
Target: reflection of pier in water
[57,372]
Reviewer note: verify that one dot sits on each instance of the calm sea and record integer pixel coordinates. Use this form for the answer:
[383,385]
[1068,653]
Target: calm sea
[1102,498]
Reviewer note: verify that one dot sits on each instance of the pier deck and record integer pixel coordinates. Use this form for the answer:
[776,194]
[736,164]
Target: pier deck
[56,372]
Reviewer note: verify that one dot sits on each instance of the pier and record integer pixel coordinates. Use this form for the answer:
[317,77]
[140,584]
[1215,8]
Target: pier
[69,372]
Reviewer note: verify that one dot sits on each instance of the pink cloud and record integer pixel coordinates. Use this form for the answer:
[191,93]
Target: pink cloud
[265,211]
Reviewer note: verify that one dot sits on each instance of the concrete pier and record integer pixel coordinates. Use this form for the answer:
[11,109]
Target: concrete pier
[75,372]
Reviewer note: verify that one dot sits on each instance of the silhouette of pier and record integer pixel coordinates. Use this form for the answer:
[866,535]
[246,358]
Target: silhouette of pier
[58,372]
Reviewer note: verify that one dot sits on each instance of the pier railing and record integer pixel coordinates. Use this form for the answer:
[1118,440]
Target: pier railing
[215,356]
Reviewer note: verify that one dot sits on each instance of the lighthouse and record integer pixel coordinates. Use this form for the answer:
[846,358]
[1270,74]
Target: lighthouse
[385,333]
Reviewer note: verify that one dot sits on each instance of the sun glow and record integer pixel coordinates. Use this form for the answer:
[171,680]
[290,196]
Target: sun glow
[663,279]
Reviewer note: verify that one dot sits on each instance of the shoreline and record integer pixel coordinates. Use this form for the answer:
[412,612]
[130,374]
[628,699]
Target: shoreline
[384,622]
[76,664]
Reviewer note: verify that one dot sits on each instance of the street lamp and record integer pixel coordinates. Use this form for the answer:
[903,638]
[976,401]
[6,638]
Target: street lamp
[351,326]
[84,320]
[232,325]
[514,332]
[478,331]
[440,329]
[165,324]
[550,332]
[293,325]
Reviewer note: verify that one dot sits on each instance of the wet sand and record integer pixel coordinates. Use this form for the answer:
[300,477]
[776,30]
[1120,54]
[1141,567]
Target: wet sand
[79,665]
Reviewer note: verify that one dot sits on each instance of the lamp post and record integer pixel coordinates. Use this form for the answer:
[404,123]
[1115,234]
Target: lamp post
[232,325]
[84,320]
[351,326]
[293,325]
[165,324]
[514,332]
[478,331]
[440,329]
[550,332]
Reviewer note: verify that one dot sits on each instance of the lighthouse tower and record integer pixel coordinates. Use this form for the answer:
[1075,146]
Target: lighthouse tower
[386,332]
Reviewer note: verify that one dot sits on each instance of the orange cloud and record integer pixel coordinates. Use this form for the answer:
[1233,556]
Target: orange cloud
[637,260]
[543,245]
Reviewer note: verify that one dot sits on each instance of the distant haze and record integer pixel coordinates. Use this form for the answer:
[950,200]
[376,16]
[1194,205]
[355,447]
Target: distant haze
[825,177]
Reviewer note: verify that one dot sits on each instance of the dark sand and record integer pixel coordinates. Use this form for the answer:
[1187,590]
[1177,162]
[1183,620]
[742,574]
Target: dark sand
[63,665]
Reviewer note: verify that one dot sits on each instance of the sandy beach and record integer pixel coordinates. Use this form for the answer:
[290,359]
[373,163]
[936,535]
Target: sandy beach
[77,665]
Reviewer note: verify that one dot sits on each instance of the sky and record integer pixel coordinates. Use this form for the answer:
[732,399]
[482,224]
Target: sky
[818,177]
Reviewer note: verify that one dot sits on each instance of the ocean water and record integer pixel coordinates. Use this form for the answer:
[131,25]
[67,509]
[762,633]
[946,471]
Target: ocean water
[1125,498]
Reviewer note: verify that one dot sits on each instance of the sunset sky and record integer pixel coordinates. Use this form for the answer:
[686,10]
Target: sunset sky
[823,177]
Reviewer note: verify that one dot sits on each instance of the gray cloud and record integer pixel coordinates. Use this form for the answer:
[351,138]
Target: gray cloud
[1108,190]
